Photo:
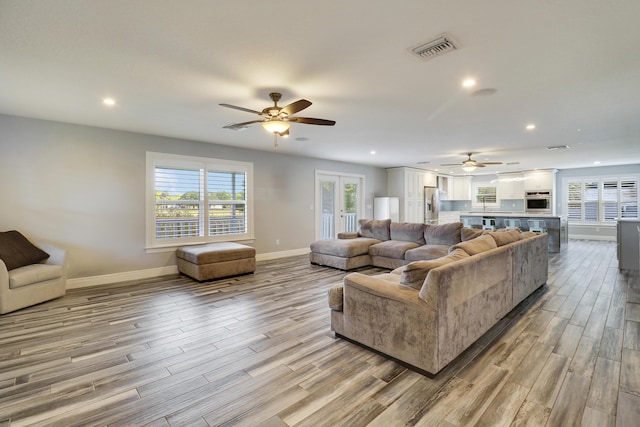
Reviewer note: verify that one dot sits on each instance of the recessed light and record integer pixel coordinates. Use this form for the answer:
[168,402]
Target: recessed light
[530,126]
[373,152]
[596,162]
[109,102]
[469,83]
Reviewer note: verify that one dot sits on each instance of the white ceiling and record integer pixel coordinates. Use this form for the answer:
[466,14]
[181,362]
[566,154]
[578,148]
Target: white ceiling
[571,67]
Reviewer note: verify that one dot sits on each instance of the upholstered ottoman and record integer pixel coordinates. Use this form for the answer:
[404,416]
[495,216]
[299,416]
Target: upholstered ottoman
[216,260]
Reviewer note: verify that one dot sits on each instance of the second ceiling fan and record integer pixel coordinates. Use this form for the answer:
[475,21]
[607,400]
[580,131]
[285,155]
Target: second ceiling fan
[470,165]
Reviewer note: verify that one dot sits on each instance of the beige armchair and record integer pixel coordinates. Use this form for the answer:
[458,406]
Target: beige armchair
[35,283]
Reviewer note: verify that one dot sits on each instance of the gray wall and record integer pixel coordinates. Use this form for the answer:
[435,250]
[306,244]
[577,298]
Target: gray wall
[598,232]
[83,188]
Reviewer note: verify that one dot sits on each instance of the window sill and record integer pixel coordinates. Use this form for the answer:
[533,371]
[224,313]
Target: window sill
[173,247]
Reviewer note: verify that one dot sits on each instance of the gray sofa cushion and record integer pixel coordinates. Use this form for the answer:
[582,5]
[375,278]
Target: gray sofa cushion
[344,248]
[470,233]
[477,245]
[445,234]
[392,249]
[408,231]
[374,228]
[414,273]
[426,252]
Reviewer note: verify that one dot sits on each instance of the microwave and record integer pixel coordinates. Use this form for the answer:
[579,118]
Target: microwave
[537,202]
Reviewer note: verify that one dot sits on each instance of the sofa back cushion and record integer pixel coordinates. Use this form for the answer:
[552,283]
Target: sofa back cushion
[504,237]
[374,228]
[477,245]
[414,273]
[527,234]
[408,232]
[16,251]
[470,233]
[445,234]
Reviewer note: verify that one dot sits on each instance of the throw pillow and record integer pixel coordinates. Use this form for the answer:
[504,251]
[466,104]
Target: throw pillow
[16,251]
[374,228]
[504,237]
[477,245]
[444,234]
[527,234]
[416,272]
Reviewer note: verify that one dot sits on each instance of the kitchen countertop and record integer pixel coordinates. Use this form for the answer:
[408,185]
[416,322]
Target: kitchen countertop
[510,214]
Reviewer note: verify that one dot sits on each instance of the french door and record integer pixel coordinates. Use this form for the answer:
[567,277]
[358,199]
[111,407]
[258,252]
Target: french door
[339,203]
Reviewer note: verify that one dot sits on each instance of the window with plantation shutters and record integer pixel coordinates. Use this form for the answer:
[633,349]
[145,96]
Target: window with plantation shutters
[197,200]
[485,194]
[601,201]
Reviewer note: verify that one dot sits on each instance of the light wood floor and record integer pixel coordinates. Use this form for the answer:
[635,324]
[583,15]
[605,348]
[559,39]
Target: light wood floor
[257,350]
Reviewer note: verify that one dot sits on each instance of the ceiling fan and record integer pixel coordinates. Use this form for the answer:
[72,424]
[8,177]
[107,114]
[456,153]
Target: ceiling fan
[277,120]
[470,165]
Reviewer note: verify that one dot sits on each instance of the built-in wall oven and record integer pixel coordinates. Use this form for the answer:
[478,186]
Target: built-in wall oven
[538,201]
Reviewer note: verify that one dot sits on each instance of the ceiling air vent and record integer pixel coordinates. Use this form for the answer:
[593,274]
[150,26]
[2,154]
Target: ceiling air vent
[557,147]
[437,47]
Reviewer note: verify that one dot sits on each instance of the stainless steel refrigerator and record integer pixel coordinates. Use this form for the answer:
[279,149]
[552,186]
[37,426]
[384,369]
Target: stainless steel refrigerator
[431,205]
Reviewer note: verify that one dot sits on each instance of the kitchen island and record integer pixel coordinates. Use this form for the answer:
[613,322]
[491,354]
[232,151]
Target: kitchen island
[556,225]
[628,244]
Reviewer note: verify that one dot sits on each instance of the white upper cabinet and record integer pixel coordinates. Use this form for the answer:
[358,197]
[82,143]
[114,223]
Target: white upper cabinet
[460,188]
[511,186]
[540,180]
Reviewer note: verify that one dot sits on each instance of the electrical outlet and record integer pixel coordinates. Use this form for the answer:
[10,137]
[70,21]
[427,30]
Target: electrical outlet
[277,241]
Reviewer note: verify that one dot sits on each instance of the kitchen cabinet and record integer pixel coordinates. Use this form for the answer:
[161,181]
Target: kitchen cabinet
[544,179]
[460,188]
[408,185]
[511,186]
[445,186]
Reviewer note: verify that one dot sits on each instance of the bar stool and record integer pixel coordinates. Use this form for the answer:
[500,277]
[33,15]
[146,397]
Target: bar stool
[488,223]
[512,224]
[537,225]
[471,223]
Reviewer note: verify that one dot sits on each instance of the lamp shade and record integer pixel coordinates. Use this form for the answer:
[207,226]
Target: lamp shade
[275,126]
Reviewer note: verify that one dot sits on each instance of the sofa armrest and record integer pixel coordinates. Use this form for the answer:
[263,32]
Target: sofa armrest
[348,235]
[386,287]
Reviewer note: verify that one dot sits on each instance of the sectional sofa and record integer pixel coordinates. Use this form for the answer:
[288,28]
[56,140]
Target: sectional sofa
[387,244]
[426,313]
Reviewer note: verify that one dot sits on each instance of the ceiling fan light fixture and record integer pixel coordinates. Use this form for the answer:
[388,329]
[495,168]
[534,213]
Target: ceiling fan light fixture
[276,126]
[468,168]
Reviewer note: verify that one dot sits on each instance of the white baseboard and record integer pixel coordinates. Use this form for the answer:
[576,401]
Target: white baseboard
[282,254]
[591,237]
[84,282]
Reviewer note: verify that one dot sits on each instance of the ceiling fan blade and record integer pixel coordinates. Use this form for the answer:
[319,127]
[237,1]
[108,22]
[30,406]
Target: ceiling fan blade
[237,126]
[451,164]
[479,165]
[311,121]
[235,107]
[294,107]
[491,163]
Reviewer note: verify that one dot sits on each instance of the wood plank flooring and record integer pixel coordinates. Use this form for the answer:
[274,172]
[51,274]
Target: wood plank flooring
[256,350]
